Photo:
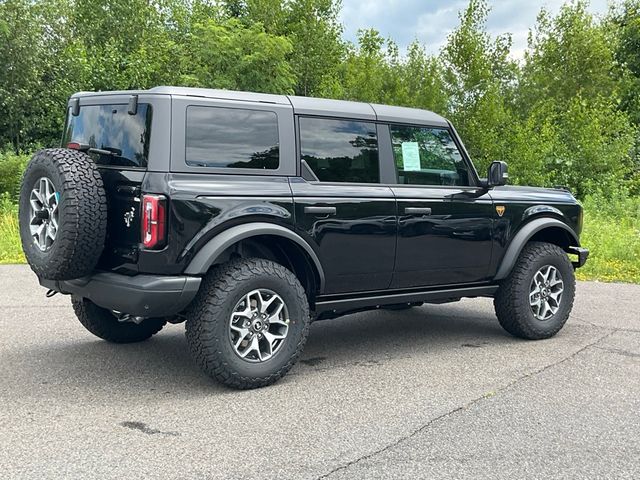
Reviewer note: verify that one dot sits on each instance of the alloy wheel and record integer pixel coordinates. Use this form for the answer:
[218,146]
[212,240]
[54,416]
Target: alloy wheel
[545,293]
[259,325]
[43,213]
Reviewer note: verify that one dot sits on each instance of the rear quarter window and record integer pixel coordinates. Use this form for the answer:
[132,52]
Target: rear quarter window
[111,127]
[231,138]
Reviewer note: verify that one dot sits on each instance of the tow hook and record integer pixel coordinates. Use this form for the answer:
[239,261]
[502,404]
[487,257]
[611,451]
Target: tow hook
[50,293]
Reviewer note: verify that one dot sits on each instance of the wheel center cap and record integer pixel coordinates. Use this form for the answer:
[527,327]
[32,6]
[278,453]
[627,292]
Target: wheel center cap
[257,325]
[43,214]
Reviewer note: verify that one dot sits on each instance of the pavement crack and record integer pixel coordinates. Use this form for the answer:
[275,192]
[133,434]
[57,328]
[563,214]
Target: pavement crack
[619,351]
[142,427]
[466,406]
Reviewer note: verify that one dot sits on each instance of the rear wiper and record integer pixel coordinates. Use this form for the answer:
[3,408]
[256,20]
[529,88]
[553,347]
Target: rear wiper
[84,147]
[105,151]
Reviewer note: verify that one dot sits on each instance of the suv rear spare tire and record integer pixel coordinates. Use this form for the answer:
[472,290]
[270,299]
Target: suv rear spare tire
[63,214]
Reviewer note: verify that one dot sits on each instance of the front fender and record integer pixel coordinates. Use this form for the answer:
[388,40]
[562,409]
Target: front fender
[523,236]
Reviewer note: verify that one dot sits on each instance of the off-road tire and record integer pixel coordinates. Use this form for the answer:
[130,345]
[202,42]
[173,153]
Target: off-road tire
[511,301]
[103,324]
[207,322]
[82,214]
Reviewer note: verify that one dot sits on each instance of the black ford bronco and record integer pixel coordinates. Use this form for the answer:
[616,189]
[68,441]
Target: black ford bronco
[250,215]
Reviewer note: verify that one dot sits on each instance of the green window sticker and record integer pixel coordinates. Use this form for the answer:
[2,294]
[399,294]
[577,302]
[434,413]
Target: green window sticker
[411,156]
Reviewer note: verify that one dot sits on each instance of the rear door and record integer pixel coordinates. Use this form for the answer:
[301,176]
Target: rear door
[118,138]
[340,206]
[444,218]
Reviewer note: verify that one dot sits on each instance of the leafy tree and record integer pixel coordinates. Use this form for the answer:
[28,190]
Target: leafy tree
[569,55]
[625,26]
[313,28]
[361,75]
[128,44]
[20,76]
[478,74]
[423,80]
[568,86]
[569,113]
[229,55]
[42,66]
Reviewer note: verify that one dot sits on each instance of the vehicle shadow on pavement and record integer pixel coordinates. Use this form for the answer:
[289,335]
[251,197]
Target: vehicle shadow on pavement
[380,335]
[162,365]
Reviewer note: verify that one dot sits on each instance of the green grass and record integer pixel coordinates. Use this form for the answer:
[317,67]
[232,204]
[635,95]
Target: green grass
[611,232]
[10,249]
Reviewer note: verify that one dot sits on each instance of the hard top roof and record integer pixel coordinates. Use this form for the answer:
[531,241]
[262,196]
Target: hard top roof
[301,105]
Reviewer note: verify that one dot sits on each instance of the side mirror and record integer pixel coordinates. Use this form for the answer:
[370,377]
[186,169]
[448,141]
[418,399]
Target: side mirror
[498,174]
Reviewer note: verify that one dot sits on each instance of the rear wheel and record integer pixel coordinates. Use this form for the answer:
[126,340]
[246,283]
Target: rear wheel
[535,300]
[105,324]
[248,323]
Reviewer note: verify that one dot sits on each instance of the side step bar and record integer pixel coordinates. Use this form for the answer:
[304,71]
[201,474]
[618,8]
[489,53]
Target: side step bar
[337,306]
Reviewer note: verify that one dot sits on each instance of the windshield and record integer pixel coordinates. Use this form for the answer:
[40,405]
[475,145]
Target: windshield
[112,128]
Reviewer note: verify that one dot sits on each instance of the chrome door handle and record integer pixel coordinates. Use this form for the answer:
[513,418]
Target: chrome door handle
[417,211]
[320,210]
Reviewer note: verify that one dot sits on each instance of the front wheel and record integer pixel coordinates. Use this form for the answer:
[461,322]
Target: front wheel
[535,300]
[249,323]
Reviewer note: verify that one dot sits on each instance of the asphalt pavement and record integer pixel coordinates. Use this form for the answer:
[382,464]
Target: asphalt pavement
[439,391]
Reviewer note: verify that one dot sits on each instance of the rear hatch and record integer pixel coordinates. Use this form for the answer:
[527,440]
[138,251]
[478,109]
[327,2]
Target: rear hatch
[117,137]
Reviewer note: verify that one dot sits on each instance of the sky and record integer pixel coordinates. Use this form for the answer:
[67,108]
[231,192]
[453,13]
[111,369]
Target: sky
[429,21]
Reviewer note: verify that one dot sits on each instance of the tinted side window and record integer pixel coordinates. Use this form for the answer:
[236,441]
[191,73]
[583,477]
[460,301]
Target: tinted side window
[232,138]
[340,150]
[427,156]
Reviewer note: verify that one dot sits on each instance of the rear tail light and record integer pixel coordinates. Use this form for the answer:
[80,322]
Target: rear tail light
[154,221]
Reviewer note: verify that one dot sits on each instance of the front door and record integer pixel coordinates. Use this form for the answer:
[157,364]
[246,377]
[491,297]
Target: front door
[444,221]
[342,209]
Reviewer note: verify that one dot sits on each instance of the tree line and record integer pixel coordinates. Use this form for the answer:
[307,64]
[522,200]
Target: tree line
[568,113]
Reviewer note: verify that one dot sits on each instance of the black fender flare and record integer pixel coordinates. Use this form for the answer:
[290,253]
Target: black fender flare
[523,236]
[208,254]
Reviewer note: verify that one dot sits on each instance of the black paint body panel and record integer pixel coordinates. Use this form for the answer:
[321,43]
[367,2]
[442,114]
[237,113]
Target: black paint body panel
[356,245]
[450,245]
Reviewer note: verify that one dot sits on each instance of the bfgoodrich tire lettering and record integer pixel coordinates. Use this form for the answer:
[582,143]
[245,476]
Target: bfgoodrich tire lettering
[81,214]
[207,328]
[512,303]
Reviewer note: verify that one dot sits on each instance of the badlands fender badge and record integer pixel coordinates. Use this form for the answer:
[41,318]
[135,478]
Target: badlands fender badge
[500,209]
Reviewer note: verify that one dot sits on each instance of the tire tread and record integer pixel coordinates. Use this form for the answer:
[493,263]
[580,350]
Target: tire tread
[512,312]
[103,324]
[82,232]
[219,285]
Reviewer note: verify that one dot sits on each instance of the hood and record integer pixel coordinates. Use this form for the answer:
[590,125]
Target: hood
[532,194]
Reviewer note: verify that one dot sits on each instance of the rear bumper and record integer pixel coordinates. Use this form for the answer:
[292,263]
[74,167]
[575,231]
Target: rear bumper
[582,253]
[141,295]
